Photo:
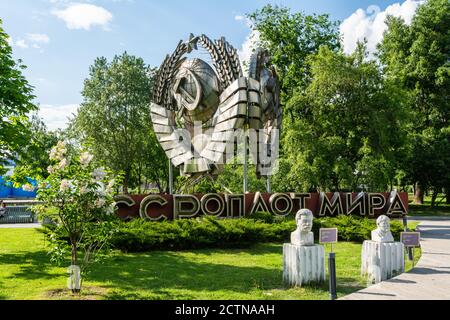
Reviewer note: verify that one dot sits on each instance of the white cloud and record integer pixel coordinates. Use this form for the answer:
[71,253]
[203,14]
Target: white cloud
[32,39]
[21,44]
[370,24]
[249,46]
[84,16]
[250,43]
[38,37]
[57,117]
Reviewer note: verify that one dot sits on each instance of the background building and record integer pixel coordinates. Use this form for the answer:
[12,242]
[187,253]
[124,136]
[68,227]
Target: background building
[7,190]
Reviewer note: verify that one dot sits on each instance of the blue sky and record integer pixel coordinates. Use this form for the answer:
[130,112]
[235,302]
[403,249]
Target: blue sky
[59,39]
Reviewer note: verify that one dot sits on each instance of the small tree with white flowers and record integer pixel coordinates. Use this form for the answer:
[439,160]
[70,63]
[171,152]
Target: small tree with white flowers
[79,198]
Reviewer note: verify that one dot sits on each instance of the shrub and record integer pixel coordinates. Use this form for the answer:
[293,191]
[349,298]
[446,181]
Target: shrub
[354,228]
[141,236]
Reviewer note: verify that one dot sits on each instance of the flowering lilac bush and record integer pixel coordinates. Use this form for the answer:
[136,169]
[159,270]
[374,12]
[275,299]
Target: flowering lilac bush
[79,197]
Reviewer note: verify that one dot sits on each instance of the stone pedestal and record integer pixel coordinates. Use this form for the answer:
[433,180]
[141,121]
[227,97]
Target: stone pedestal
[382,261]
[74,281]
[303,264]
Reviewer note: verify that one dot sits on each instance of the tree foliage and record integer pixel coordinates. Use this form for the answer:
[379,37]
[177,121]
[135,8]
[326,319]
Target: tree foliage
[114,120]
[33,160]
[291,38]
[349,133]
[15,102]
[418,57]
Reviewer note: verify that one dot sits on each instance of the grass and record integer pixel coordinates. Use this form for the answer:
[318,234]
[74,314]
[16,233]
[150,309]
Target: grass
[425,210]
[254,273]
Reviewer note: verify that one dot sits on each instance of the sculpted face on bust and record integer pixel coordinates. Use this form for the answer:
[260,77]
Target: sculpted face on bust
[383,232]
[303,235]
[305,221]
[384,225]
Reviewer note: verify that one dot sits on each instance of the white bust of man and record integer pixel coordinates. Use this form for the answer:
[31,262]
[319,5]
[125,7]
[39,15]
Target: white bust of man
[303,235]
[383,232]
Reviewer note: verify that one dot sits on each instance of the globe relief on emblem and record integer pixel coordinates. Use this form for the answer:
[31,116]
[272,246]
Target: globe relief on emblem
[199,111]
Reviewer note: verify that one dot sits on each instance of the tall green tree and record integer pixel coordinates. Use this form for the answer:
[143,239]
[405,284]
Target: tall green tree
[16,96]
[291,38]
[349,133]
[114,120]
[418,57]
[34,161]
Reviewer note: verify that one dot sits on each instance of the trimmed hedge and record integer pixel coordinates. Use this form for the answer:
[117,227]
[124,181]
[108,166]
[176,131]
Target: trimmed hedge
[141,236]
[353,228]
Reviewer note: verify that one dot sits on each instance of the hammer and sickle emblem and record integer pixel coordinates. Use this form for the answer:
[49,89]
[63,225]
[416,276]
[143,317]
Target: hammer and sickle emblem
[184,97]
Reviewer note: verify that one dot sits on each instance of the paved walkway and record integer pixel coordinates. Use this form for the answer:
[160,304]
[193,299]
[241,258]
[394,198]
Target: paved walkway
[430,279]
[20,226]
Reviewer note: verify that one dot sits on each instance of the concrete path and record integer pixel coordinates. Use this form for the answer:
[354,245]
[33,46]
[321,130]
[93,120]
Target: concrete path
[430,279]
[20,226]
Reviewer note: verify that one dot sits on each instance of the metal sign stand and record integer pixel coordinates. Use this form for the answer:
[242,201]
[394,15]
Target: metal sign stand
[245,164]
[409,250]
[332,271]
[246,144]
[410,255]
[170,177]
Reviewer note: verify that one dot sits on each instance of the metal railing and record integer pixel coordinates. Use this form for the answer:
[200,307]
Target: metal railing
[18,214]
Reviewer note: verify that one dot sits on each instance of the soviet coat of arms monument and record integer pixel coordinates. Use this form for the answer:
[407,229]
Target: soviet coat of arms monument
[198,111]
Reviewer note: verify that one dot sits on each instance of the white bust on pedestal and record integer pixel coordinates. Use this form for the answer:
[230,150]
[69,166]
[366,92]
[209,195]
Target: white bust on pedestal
[303,261]
[382,258]
[303,235]
[383,232]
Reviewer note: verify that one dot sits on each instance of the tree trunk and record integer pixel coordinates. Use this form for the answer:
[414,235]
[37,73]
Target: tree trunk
[447,195]
[74,262]
[125,185]
[160,190]
[433,198]
[419,194]
[126,182]
[74,255]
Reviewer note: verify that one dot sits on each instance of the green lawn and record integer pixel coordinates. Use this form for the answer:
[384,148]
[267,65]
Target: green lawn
[442,210]
[255,273]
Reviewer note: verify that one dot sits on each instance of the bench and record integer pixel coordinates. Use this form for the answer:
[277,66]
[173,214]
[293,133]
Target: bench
[18,214]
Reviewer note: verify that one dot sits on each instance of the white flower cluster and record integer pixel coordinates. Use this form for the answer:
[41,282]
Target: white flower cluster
[66,185]
[103,191]
[99,174]
[100,202]
[58,153]
[86,158]
[110,186]
[63,164]
[84,190]
[94,188]
[28,187]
